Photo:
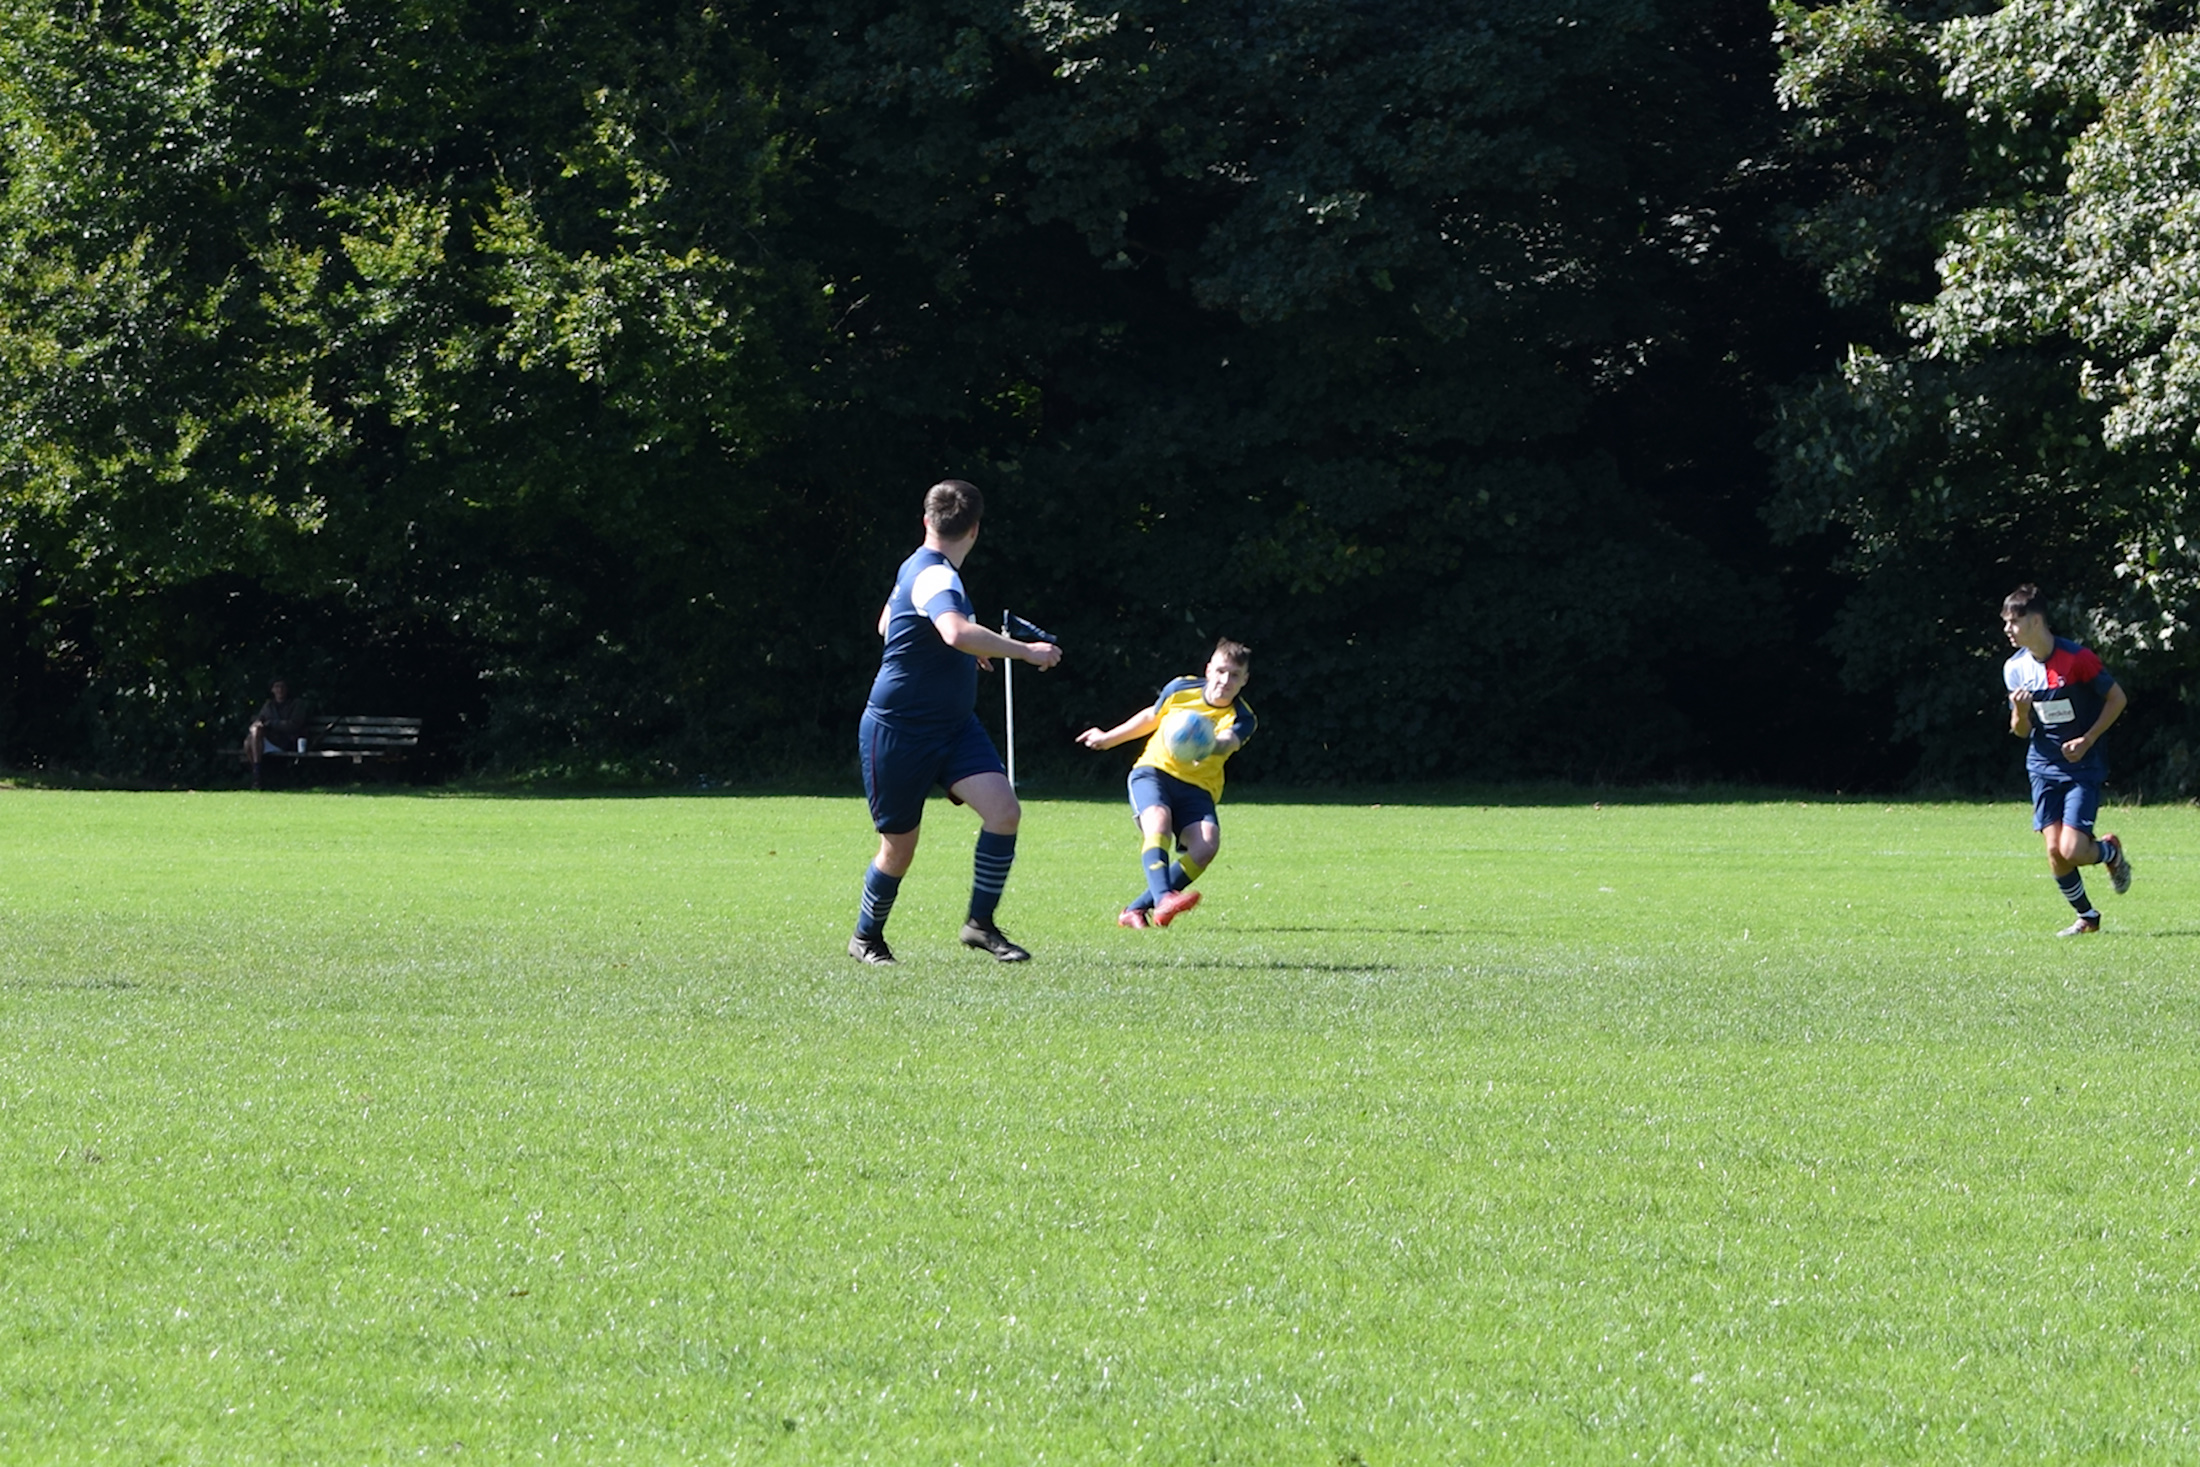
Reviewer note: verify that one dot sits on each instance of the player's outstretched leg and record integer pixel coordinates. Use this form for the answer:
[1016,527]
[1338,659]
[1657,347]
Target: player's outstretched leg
[1188,869]
[1180,898]
[1174,905]
[2118,862]
[1201,841]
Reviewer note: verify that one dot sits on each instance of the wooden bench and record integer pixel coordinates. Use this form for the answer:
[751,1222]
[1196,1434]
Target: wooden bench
[355,736]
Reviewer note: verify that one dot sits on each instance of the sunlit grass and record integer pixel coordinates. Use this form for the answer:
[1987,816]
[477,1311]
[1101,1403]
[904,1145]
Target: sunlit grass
[356,1128]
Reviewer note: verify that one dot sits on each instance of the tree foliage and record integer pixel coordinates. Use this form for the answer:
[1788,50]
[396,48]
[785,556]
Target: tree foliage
[435,329]
[2025,410]
[572,373]
[1296,321]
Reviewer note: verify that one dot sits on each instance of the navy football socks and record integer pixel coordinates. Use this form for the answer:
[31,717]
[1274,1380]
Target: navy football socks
[1155,859]
[2073,890]
[989,874]
[879,891]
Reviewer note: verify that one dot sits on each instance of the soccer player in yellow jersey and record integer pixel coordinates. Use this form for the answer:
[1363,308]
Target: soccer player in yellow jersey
[1175,800]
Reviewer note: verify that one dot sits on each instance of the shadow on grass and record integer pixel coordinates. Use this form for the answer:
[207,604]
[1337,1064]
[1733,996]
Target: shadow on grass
[1364,797]
[1054,788]
[70,985]
[1551,794]
[1356,929]
[1280,965]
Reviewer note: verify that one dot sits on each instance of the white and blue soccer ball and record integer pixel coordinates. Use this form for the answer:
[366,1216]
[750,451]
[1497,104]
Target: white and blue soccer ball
[1188,737]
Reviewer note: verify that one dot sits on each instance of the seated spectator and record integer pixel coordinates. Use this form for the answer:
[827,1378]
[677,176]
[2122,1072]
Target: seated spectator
[279,727]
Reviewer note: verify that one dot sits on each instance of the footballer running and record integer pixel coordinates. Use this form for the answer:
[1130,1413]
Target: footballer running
[2061,701]
[1174,799]
[920,727]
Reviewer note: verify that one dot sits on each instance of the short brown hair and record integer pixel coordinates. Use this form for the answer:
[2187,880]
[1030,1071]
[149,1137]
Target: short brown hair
[2023,601]
[1236,652]
[953,507]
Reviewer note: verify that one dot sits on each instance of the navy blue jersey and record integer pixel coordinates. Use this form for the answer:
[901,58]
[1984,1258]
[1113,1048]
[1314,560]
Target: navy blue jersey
[2068,691]
[922,682]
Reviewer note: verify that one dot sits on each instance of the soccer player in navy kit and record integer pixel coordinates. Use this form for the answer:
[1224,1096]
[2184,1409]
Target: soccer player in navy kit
[2061,700]
[920,727]
[1174,800]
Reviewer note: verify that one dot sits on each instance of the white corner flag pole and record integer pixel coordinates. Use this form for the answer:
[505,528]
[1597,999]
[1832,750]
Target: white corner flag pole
[1008,688]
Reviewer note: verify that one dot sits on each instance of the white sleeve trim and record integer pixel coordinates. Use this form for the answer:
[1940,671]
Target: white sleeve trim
[930,583]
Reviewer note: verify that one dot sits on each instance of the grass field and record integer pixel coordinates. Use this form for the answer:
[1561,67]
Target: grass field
[374,1128]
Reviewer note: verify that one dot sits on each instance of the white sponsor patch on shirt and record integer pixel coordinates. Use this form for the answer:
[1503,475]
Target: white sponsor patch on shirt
[930,582]
[2053,712]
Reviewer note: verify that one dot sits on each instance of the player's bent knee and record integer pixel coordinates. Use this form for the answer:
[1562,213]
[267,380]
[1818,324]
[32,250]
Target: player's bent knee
[896,852]
[993,799]
[999,812]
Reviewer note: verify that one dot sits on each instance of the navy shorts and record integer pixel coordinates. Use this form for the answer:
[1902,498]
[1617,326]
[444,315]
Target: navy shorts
[900,766]
[2058,799]
[1188,804]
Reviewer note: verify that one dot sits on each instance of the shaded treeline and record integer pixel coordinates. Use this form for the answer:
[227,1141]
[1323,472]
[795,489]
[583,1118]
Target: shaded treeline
[570,375]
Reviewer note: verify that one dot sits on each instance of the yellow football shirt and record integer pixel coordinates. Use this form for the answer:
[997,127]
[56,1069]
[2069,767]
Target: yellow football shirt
[1191,693]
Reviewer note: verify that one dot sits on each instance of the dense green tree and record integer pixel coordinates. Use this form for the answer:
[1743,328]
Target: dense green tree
[430,335]
[1304,321]
[581,366]
[2011,190]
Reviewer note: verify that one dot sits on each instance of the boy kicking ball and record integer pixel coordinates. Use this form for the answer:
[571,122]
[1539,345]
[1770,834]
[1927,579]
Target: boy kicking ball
[1174,797]
[2061,700]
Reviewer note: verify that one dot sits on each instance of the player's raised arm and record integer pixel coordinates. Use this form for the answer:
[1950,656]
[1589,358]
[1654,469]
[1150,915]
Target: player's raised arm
[979,640]
[1137,726]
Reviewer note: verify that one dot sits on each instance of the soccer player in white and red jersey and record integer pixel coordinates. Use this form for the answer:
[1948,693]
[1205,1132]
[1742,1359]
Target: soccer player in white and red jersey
[1175,800]
[2061,701]
[920,727]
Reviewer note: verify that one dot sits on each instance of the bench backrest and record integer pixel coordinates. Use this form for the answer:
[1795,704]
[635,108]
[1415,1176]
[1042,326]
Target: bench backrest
[357,731]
